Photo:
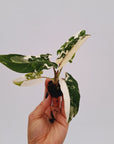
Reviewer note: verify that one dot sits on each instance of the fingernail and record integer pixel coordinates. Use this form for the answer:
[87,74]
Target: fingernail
[46,95]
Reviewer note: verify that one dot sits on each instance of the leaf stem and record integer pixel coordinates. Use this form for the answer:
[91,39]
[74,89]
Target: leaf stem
[56,78]
[59,72]
[46,77]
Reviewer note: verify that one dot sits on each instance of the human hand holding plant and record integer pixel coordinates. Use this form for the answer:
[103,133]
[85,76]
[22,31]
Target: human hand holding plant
[33,67]
[41,128]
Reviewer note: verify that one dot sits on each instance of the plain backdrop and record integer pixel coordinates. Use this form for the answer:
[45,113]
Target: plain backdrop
[33,27]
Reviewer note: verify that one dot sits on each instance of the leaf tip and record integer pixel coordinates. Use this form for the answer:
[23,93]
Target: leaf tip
[18,83]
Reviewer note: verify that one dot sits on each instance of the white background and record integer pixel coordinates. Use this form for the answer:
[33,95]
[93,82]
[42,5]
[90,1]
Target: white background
[36,27]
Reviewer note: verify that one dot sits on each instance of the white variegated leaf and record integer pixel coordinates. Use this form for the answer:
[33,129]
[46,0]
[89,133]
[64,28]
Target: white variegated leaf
[24,82]
[63,61]
[71,95]
[66,97]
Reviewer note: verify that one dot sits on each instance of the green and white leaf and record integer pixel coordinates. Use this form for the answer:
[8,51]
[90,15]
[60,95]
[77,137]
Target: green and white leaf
[68,50]
[29,79]
[27,64]
[66,97]
[69,87]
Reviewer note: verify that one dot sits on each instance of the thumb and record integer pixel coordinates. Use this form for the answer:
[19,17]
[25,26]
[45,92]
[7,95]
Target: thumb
[41,108]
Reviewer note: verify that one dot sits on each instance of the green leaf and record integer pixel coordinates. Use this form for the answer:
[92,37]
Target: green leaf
[26,64]
[19,83]
[74,95]
[70,90]
[67,51]
[82,33]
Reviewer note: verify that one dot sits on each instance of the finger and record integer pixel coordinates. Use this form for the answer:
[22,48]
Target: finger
[60,115]
[41,108]
[56,105]
[61,119]
[46,82]
[46,93]
[48,112]
[56,102]
[46,88]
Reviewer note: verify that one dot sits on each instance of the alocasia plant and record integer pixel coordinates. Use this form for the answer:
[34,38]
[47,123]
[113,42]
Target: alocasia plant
[33,67]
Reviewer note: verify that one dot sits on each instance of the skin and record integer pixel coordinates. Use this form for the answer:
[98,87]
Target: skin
[40,129]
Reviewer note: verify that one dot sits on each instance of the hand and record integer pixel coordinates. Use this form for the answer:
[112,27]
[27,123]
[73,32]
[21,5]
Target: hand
[47,125]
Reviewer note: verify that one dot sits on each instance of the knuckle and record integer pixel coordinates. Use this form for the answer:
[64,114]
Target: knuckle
[41,104]
[31,116]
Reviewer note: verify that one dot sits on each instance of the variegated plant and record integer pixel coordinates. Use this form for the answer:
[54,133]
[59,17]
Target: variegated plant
[33,67]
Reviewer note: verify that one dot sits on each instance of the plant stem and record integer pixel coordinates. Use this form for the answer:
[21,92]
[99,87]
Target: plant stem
[59,72]
[55,76]
[46,77]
